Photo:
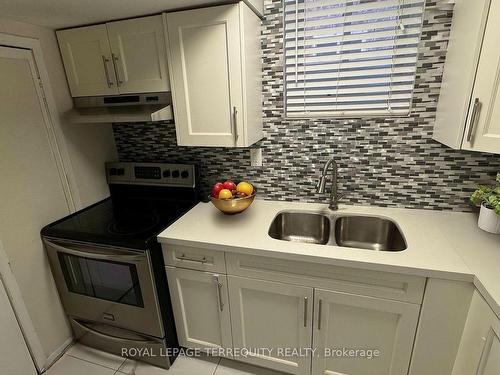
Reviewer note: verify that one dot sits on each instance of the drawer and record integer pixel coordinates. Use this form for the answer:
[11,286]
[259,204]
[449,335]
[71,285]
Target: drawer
[194,258]
[379,284]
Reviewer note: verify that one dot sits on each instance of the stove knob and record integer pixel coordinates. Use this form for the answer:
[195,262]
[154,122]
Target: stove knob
[184,174]
[175,174]
[112,172]
[166,173]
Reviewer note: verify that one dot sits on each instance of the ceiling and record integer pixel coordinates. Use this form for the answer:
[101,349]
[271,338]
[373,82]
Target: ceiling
[57,14]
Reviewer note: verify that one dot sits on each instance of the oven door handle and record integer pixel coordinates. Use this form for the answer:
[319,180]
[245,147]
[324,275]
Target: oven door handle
[112,253]
[107,336]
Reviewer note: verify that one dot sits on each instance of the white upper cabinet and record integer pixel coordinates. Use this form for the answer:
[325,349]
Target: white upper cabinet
[483,121]
[138,52]
[468,115]
[120,57]
[87,60]
[215,71]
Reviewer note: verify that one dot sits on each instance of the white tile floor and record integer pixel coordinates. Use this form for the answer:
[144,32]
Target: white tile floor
[82,360]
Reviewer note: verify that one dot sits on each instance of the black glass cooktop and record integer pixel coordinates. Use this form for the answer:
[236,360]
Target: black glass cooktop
[120,221]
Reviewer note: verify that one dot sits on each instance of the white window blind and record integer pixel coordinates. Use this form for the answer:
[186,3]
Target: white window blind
[350,57]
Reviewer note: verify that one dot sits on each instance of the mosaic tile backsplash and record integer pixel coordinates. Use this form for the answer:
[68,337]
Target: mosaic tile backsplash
[383,161]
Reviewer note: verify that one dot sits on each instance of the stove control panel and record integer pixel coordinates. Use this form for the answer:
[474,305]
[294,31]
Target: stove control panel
[160,174]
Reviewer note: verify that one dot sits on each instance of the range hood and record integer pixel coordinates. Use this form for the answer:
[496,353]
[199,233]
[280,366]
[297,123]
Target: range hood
[122,108]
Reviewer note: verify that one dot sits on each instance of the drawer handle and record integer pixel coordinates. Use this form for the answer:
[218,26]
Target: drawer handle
[86,326]
[219,286]
[184,257]
[473,119]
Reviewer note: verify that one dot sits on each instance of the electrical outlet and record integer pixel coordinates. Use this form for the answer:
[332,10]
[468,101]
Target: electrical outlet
[256,157]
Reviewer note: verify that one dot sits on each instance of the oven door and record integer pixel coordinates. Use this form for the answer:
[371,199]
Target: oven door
[105,284]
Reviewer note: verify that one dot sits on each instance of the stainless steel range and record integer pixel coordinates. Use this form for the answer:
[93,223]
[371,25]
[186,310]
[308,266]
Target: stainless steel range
[109,268]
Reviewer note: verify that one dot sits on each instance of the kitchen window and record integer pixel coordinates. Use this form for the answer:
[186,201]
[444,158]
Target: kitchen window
[352,58]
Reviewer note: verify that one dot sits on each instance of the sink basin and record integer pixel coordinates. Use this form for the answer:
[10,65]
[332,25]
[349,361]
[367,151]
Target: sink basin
[368,232]
[301,227]
[355,231]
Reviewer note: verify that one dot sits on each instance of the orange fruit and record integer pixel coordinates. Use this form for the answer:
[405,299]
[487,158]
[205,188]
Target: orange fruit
[225,194]
[244,188]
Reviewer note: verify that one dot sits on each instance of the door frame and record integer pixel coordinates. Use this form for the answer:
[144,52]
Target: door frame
[16,323]
[66,175]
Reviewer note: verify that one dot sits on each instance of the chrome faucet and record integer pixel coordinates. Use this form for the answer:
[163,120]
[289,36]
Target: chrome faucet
[334,195]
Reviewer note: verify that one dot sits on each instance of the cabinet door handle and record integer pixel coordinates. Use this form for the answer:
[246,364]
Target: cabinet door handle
[320,303]
[218,286]
[115,61]
[305,311]
[472,125]
[235,125]
[106,71]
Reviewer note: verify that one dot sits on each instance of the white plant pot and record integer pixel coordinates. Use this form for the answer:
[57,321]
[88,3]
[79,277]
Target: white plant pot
[489,221]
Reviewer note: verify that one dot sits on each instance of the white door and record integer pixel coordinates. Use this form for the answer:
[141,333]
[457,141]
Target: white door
[272,315]
[16,358]
[201,308]
[31,193]
[87,60]
[483,122]
[347,321]
[138,53]
[479,351]
[205,66]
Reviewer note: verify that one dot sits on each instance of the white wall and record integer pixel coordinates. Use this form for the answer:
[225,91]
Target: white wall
[88,145]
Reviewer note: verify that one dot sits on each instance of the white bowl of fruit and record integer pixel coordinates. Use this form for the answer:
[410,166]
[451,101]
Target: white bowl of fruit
[232,198]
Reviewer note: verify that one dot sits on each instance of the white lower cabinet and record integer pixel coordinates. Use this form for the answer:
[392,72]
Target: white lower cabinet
[304,325]
[273,316]
[479,352]
[201,308]
[346,321]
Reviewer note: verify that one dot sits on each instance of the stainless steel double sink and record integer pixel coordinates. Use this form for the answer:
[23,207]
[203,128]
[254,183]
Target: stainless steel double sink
[355,231]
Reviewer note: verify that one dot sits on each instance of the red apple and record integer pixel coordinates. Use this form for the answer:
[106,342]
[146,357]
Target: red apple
[229,185]
[216,189]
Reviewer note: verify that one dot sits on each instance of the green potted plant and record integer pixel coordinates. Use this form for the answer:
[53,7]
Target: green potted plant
[488,197]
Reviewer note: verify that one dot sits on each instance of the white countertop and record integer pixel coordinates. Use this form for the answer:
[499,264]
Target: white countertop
[441,244]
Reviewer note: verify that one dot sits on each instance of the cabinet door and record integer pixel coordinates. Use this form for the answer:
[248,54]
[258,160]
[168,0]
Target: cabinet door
[479,351]
[201,309]
[346,321]
[205,67]
[490,359]
[483,120]
[274,316]
[138,53]
[87,60]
